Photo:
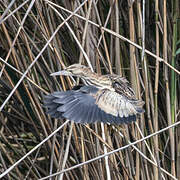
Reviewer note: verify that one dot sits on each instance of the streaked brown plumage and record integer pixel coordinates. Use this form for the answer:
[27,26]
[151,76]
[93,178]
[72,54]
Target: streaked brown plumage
[103,98]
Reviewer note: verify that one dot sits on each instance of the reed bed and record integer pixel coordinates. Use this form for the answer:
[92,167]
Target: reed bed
[136,39]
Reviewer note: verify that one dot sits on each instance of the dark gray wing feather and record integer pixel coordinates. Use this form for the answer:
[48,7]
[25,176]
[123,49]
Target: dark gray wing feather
[81,106]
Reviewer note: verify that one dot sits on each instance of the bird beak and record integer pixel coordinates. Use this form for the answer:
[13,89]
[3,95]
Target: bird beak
[64,73]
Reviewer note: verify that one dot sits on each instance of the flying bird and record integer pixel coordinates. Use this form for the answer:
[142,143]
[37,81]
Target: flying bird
[102,98]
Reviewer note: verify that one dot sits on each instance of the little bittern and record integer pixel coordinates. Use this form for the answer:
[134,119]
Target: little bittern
[103,98]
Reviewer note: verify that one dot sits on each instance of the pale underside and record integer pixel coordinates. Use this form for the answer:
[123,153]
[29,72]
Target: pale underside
[115,104]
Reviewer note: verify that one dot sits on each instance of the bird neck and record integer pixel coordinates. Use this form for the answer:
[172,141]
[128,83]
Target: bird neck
[100,81]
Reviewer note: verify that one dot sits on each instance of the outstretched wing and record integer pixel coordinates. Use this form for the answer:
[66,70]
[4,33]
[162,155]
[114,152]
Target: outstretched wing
[89,105]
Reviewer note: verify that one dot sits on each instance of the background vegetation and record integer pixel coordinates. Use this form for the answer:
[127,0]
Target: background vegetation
[137,39]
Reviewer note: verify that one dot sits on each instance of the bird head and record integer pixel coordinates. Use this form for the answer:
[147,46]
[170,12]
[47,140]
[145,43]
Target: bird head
[77,70]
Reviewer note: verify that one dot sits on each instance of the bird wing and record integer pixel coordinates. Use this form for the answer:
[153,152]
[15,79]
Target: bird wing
[118,104]
[89,104]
